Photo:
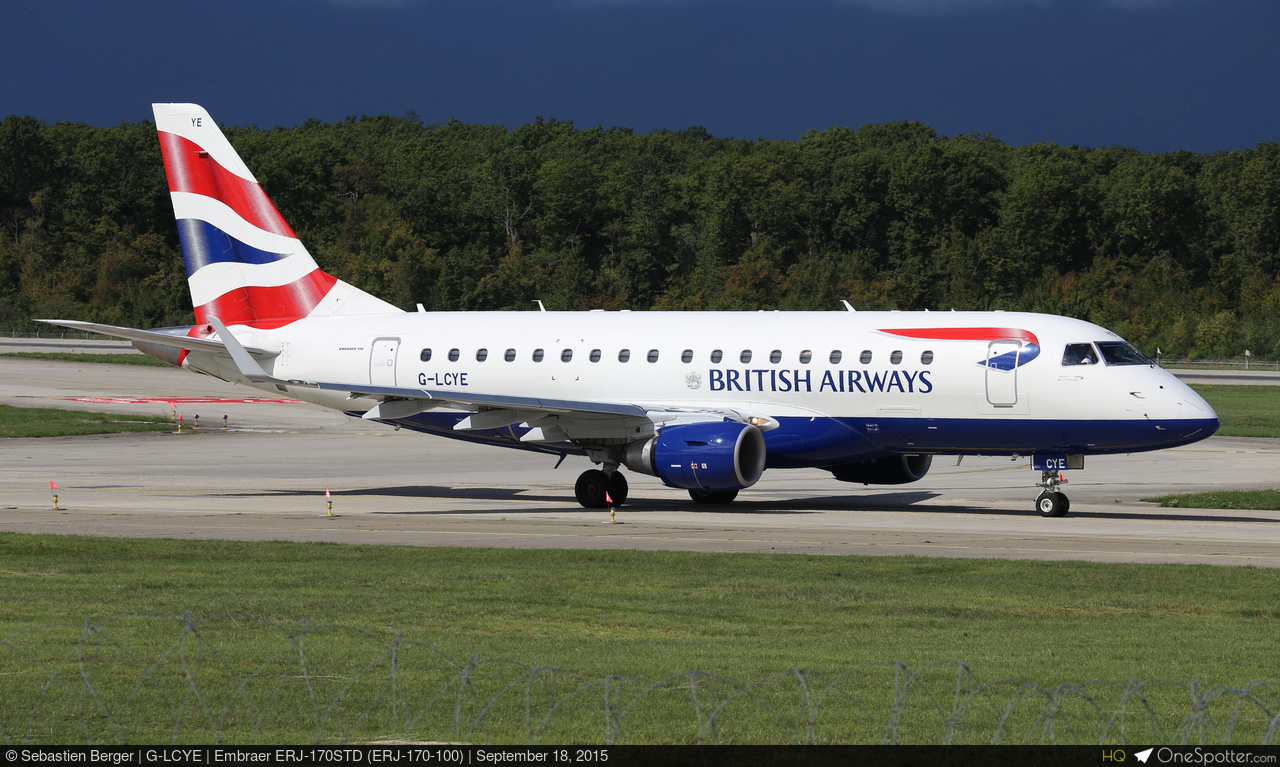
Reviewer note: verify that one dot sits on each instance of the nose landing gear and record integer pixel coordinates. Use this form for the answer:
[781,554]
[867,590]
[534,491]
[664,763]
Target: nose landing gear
[1052,502]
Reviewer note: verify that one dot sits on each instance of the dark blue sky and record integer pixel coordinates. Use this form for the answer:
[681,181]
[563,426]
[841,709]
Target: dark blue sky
[1159,75]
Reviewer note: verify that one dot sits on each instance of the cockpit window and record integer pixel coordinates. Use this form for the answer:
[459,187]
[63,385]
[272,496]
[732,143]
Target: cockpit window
[1079,354]
[1121,353]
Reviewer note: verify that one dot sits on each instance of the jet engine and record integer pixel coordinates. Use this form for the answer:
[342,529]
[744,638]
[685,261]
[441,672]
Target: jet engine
[723,455]
[886,470]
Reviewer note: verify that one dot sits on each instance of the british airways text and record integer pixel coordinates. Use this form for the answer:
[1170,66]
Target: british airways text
[854,381]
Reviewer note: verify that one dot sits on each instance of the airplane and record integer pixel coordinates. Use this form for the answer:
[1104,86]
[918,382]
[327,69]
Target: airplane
[704,401]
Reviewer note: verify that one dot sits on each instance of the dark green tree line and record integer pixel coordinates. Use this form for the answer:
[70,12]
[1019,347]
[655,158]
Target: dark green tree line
[1179,251]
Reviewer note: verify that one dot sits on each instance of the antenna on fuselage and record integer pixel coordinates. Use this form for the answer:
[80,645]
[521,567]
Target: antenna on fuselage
[538,301]
[847,306]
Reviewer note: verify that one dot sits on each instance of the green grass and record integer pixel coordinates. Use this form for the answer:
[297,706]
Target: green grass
[1244,411]
[1262,500]
[1236,364]
[592,614]
[52,422]
[115,359]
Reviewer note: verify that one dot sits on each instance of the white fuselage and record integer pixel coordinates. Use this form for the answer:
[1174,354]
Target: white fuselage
[834,385]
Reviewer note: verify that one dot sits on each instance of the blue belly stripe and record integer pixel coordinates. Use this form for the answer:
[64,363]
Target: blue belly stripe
[805,442]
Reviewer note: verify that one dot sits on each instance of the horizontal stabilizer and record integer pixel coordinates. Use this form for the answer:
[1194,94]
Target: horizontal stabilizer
[157,337]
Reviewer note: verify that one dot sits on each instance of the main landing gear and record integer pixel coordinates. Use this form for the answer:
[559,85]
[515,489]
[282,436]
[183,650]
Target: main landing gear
[593,485]
[1052,502]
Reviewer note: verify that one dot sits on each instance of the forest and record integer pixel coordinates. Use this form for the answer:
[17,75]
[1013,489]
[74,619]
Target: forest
[1177,252]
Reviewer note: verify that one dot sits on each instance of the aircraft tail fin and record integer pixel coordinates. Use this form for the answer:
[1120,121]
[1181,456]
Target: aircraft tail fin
[244,263]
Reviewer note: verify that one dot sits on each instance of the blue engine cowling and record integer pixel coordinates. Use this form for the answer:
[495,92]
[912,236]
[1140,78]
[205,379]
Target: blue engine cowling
[725,455]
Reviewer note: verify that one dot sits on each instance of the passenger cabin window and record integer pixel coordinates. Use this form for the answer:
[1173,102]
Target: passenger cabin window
[716,356]
[425,355]
[926,358]
[594,356]
[453,355]
[510,355]
[895,357]
[1121,353]
[537,355]
[566,355]
[745,356]
[806,357]
[686,356]
[835,357]
[482,355]
[1079,354]
[775,356]
[865,357]
[653,355]
[624,355]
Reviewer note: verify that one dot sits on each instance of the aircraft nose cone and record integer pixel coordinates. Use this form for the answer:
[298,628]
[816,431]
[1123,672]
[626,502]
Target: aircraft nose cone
[1197,405]
[1180,415]
[1198,416]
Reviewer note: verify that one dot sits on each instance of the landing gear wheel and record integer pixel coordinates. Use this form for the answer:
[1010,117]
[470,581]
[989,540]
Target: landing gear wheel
[590,489]
[1051,504]
[618,488]
[713,496]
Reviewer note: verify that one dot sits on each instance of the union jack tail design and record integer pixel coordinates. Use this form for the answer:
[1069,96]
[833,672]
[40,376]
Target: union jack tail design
[245,265]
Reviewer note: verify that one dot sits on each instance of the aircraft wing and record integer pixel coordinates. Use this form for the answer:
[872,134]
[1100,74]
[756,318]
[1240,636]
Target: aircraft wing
[443,398]
[552,420]
[157,337]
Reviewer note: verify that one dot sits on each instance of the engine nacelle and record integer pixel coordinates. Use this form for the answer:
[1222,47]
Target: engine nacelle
[723,455]
[887,470]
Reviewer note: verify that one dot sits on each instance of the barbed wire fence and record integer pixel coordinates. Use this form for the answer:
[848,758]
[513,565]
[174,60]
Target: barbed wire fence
[154,678]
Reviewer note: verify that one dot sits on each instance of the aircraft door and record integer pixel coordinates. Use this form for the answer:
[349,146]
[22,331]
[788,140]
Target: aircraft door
[382,362]
[1002,372]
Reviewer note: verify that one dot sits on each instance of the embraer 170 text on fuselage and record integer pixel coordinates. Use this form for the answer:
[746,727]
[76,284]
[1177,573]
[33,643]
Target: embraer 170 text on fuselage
[705,401]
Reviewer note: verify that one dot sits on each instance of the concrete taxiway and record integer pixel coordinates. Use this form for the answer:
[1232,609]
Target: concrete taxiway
[264,478]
